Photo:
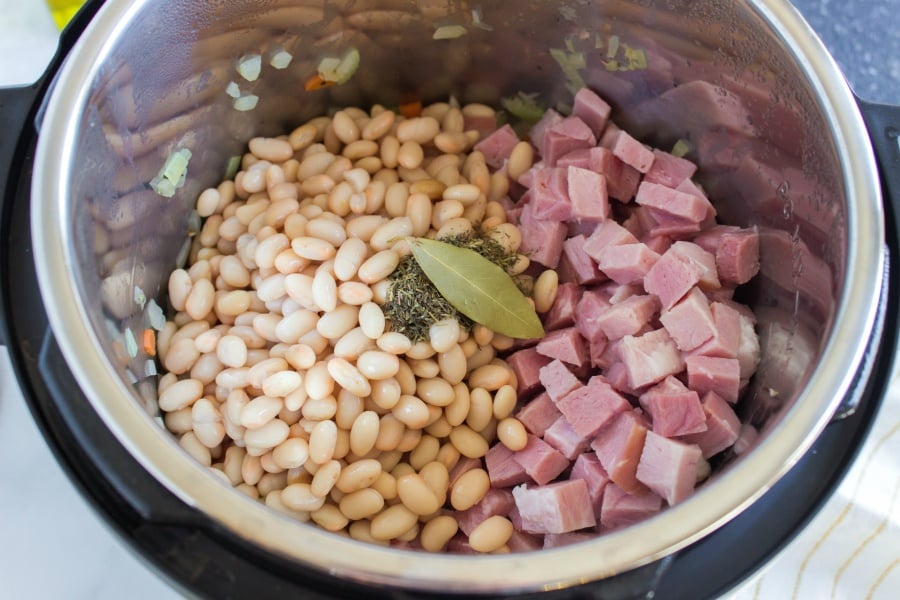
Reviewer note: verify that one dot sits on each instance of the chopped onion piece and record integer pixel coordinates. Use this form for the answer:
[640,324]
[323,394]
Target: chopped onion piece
[348,66]
[449,32]
[327,68]
[155,315]
[130,343]
[477,19]
[140,298]
[246,102]
[681,148]
[249,66]
[150,368]
[613,47]
[233,90]
[281,59]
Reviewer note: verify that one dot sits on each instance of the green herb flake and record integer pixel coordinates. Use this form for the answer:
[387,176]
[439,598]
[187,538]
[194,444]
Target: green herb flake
[234,163]
[477,288]
[524,106]
[681,148]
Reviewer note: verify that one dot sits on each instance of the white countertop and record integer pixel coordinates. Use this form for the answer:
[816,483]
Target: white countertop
[56,547]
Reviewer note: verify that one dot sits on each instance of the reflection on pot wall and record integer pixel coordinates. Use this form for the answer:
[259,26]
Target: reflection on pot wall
[673,70]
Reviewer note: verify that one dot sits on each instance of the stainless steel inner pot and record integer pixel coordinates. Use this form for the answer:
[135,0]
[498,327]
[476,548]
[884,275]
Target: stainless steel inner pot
[770,119]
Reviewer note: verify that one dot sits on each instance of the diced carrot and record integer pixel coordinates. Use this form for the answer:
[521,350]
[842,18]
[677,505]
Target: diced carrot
[148,341]
[411,110]
[315,82]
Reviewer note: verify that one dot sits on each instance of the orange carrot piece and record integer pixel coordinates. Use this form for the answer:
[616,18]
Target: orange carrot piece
[316,82]
[149,342]
[411,110]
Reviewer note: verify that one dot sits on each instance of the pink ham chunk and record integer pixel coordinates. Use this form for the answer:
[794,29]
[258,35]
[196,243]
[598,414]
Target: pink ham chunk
[556,540]
[503,470]
[587,467]
[540,129]
[495,502]
[520,541]
[621,180]
[565,136]
[558,380]
[726,337]
[589,309]
[650,357]
[736,251]
[722,427]
[677,271]
[669,170]
[590,408]
[592,109]
[628,316]
[619,446]
[562,312]
[712,374]
[550,195]
[540,460]
[669,467]
[565,440]
[617,375]
[526,364]
[674,410]
[690,322]
[627,263]
[630,151]
[538,414]
[620,508]
[556,508]
[497,146]
[541,240]
[566,345]
[607,234]
[671,202]
[587,194]
[583,268]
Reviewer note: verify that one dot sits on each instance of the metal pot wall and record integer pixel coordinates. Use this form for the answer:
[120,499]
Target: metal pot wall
[778,135]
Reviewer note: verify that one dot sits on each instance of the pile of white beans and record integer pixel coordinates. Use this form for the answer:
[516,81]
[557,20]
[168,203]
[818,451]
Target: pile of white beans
[282,373]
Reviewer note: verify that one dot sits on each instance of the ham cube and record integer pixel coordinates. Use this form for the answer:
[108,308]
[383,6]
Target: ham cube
[526,364]
[587,467]
[690,322]
[627,263]
[495,502]
[712,374]
[587,194]
[558,380]
[628,316]
[650,358]
[556,508]
[581,158]
[669,467]
[619,446]
[562,437]
[674,274]
[562,312]
[565,136]
[497,146]
[566,345]
[621,180]
[550,195]
[722,427]
[458,544]
[541,461]
[704,261]
[583,268]
[620,508]
[726,337]
[669,170]
[671,202]
[555,540]
[608,233]
[520,541]
[589,309]
[503,470]
[630,151]
[674,410]
[541,240]
[539,129]
[617,375]
[737,257]
[589,408]
[592,109]
[539,414]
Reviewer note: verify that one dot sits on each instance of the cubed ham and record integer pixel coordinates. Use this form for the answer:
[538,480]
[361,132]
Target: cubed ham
[497,146]
[621,180]
[503,470]
[650,357]
[669,170]
[598,348]
[674,410]
[567,135]
[617,375]
[591,305]
[556,508]
[541,240]
[538,414]
[620,508]
[671,226]
[722,427]
[580,158]
[495,502]
[587,467]
[562,437]
[668,201]
[726,337]
[690,322]
[587,194]
[669,467]
[459,544]
[619,293]
[630,151]
[550,195]
[627,263]
[659,243]
[566,345]
[584,269]
[463,466]
[549,119]
[607,234]
[713,374]
[589,408]
[627,317]
[558,380]
[619,446]
[562,312]
[592,109]
[556,540]
[675,273]
[737,257]
[540,460]
[520,541]
[705,262]
[526,365]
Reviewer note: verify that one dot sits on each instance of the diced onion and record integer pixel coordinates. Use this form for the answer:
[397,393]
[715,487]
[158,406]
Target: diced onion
[449,32]
[233,90]
[681,148]
[249,66]
[281,59]
[155,315]
[246,102]
[130,343]
[140,298]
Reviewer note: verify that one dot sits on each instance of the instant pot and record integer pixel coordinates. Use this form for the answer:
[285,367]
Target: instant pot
[782,144]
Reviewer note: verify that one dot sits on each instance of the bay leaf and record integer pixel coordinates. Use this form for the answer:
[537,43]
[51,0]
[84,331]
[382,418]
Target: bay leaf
[477,288]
